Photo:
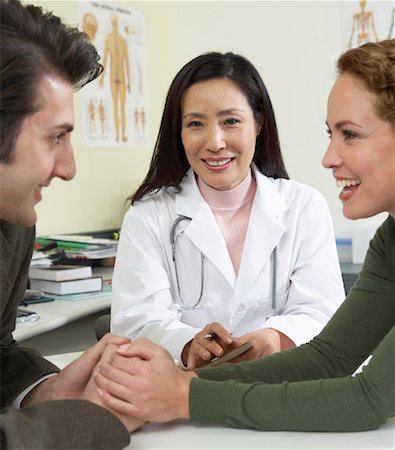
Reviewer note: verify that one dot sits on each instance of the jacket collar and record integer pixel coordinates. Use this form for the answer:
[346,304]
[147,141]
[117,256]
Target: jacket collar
[264,231]
[267,197]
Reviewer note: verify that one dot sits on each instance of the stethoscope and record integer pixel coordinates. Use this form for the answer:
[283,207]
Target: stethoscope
[173,242]
[196,305]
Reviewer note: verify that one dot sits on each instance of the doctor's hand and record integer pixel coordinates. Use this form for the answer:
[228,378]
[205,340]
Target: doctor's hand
[209,343]
[91,393]
[264,342]
[142,380]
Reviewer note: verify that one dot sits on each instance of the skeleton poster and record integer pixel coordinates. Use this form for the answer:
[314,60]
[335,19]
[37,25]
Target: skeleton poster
[367,21]
[115,106]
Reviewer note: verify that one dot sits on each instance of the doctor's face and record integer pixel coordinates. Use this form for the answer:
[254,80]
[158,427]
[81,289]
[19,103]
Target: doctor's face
[41,152]
[362,150]
[219,132]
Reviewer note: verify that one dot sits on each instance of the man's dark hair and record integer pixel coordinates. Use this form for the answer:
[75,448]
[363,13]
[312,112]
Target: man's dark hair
[34,44]
[169,163]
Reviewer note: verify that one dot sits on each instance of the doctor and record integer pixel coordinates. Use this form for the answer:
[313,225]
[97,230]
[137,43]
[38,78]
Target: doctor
[218,239]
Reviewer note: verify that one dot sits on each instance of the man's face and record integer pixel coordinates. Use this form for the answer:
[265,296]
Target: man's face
[42,151]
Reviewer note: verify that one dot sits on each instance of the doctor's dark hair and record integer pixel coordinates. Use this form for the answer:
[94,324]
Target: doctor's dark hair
[169,163]
[373,64]
[35,44]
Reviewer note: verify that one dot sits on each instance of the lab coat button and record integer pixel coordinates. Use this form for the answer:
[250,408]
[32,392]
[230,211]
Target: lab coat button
[241,308]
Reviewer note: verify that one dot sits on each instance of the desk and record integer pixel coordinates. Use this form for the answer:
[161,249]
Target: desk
[179,435]
[64,325]
[58,313]
[183,435]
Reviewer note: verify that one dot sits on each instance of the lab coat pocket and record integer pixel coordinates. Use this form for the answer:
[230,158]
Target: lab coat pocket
[253,312]
[256,307]
[272,305]
[213,308]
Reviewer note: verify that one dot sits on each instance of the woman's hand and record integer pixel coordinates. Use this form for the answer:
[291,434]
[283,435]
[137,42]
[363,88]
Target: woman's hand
[141,380]
[209,343]
[91,392]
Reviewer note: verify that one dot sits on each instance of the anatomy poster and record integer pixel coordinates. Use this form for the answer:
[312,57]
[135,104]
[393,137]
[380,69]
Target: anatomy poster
[367,21]
[116,104]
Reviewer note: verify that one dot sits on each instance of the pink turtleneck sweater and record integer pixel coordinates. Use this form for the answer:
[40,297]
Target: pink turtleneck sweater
[232,210]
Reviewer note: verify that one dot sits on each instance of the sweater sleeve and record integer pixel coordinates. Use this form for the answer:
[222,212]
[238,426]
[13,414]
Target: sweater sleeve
[352,403]
[61,424]
[312,387]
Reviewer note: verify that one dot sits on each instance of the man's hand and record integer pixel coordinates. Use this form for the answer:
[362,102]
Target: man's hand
[73,379]
[142,380]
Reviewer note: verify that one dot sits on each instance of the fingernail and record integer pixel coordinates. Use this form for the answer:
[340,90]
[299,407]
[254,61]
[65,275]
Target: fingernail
[123,348]
[100,392]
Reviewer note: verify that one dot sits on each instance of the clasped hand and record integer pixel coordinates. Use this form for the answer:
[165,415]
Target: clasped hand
[93,393]
[141,381]
[76,380]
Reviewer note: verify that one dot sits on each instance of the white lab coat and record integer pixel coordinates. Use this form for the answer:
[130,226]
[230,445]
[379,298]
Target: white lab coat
[285,214]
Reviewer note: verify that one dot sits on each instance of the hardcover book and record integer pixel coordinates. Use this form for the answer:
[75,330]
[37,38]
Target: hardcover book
[68,287]
[60,272]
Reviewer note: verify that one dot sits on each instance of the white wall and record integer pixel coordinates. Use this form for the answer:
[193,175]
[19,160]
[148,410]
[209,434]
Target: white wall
[293,44]
[95,199]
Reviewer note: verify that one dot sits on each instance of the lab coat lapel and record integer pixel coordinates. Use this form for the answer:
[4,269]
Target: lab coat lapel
[203,230]
[264,232]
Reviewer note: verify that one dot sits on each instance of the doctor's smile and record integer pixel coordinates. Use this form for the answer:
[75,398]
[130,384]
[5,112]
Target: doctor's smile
[217,164]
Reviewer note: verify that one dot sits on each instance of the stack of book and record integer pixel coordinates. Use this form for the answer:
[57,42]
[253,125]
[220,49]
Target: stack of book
[81,249]
[64,279]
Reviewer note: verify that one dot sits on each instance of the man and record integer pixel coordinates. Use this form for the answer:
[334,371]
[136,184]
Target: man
[42,61]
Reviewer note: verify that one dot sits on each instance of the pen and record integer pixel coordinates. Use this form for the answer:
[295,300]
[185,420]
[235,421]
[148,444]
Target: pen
[215,337]
[211,336]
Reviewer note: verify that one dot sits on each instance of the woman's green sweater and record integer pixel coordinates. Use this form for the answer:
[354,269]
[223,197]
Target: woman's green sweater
[311,388]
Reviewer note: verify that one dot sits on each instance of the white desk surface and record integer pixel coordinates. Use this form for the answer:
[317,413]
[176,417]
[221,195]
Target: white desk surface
[60,312]
[183,435]
[57,313]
